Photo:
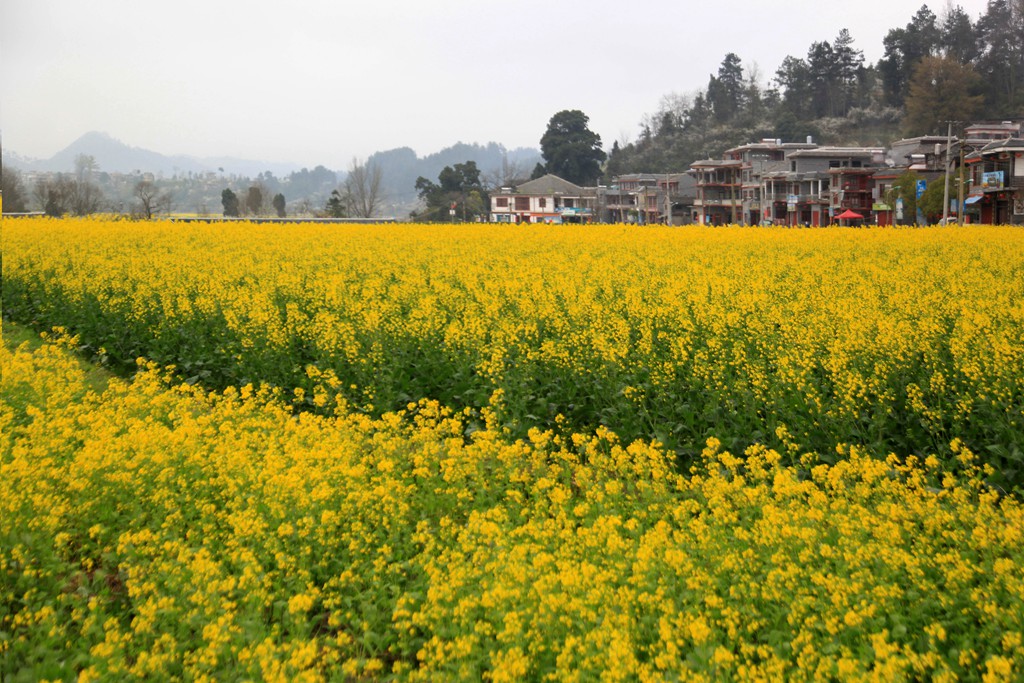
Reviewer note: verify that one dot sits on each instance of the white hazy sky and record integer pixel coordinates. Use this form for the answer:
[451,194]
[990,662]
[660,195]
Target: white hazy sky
[318,82]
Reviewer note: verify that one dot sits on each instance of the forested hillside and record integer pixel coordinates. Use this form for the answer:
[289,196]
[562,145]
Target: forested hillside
[935,68]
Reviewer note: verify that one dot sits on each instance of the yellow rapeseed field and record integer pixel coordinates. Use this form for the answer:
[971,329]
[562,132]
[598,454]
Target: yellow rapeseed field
[535,453]
[896,339]
[158,531]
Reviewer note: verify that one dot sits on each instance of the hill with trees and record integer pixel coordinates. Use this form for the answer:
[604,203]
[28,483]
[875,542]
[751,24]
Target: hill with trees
[934,69]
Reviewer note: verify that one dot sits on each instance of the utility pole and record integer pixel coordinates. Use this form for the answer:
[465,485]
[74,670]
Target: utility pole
[668,201]
[945,185]
[960,187]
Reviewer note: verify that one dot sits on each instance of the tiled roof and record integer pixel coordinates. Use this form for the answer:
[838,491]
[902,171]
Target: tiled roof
[999,145]
[549,184]
[837,152]
[710,163]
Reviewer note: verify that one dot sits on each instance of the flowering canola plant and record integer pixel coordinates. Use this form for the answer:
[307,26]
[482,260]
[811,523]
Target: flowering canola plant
[895,340]
[157,529]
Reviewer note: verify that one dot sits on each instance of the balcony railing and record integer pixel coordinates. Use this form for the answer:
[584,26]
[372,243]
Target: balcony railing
[800,198]
[717,201]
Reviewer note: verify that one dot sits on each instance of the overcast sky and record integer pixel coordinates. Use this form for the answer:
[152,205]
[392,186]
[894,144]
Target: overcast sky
[318,81]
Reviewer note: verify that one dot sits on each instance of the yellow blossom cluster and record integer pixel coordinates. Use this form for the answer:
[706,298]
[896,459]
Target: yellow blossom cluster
[898,340]
[155,530]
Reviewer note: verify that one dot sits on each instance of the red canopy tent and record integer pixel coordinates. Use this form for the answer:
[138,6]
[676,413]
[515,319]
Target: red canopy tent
[849,215]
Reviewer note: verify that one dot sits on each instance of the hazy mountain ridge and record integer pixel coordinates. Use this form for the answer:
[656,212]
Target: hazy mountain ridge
[114,156]
[400,167]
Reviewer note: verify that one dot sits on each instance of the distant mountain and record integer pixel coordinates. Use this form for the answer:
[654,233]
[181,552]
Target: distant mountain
[114,156]
[400,167]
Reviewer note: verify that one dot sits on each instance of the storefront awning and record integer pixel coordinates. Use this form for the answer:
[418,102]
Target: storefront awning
[973,198]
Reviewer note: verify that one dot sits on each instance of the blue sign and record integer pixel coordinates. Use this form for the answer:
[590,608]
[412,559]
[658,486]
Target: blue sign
[921,185]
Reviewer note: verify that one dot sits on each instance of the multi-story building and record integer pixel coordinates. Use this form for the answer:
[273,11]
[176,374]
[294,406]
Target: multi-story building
[923,153]
[882,181]
[548,199]
[680,192]
[976,137]
[843,178]
[997,182]
[719,190]
[630,198]
[647,198]
[820,183]
[851,189]
[984,132]
[771,182]
[757,160]
[778,183]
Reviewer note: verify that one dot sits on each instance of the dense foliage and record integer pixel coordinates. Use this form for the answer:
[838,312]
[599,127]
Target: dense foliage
[458,194]
[156,531]
[896,340]
[571,150]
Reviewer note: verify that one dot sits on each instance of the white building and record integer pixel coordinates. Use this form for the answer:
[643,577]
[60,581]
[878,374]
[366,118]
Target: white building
[548,199]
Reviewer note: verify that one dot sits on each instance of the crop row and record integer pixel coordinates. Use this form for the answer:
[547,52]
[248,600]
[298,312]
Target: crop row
[897,340]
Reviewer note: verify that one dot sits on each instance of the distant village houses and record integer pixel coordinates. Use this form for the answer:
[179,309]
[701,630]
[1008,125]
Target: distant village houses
[773,182]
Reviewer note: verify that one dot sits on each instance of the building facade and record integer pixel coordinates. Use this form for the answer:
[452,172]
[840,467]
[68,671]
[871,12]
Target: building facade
[796,184]
[548,199]
[647,198]
[996,174]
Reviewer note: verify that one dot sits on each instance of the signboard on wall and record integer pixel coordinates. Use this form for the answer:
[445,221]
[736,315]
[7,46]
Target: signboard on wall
[993,180]
[1018,206]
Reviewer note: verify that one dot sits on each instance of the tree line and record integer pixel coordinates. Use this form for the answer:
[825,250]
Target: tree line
[75,193]
[88,189]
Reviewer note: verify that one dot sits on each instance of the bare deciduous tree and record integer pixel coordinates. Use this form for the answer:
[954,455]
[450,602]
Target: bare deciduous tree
[152,200]
[56,195]
[15,197]
[510,173]
[363,189]
[87,196]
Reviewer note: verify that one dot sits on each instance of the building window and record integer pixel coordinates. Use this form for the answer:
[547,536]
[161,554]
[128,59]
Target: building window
[542,202]
[522,203]
[501,202]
